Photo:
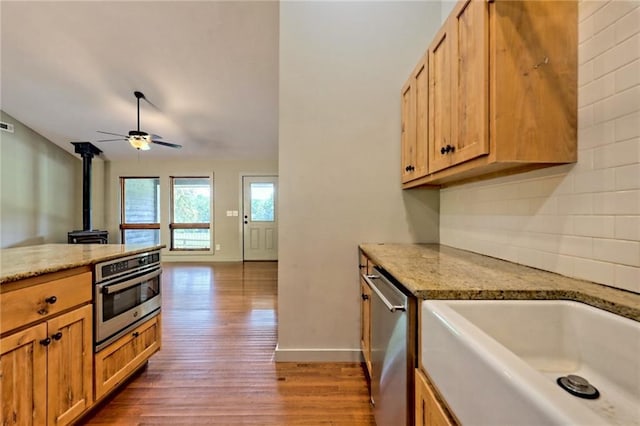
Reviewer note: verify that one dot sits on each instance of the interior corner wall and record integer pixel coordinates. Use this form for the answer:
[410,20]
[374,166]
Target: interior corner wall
[227,190]
[40,189]
[581,220]
[342,65]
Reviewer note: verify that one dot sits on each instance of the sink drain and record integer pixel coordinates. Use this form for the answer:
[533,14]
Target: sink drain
[578,386]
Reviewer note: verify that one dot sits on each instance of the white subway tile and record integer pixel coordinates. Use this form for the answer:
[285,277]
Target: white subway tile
[627,278]
[586,8]
[575,204]
[627,228]
[543,206]
[627,202]
[598,135]
[564,265]
[540,187]
[604,203]
[628,76]
[585,73]
[594,226]
[539,241]
[627,177]
[617,251]
[629,24]
[592,270]
[619,105]
[599,180]
[586,29]
[611,12]
[536,259]
[624,53]
[596,45]
[627,127]
[618,154]
[549,224]
[585,117]
[597,90]
[576,246]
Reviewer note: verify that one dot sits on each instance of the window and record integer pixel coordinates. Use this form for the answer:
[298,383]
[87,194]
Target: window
[140,210]
[190,213]
[262,205]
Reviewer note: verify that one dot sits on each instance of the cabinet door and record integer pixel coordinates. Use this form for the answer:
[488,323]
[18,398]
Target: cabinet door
[121,358]
[365,323]
[428,410]
[421,96]
[408,135]
[70,365]
[469,33]
[23,380]
[440,97]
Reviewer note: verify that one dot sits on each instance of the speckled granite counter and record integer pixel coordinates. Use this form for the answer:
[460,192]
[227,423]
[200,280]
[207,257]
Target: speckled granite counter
[24,262]
[432,271]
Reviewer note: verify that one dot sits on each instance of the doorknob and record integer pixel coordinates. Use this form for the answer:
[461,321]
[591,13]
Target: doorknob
[246,222]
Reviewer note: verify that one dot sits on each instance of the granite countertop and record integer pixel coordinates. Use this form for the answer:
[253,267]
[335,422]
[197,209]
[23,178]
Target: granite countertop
[432,271]
[25,262]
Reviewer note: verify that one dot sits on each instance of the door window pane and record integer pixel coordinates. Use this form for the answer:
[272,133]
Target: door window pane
[262,202]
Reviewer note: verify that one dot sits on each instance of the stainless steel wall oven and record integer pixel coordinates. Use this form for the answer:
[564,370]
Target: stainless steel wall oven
[127,291]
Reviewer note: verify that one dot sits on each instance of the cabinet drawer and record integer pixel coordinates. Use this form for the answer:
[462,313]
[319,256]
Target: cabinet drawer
[117,361]
[38,302]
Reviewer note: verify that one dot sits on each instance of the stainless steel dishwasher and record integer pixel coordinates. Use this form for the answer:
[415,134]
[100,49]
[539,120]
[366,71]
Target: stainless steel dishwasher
[389,334]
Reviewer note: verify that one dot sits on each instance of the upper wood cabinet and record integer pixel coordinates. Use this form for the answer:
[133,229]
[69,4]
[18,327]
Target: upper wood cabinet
[502,92]
[415,123]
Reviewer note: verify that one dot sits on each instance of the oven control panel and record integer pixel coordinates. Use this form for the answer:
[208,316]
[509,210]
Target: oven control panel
[126,265]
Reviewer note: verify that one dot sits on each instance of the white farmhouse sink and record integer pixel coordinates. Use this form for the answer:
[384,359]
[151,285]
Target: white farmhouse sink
[496,362]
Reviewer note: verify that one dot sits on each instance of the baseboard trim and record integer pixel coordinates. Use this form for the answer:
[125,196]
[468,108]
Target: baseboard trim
[318,355]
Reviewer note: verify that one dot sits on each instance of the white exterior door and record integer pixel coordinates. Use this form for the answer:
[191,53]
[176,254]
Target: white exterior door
[260,217]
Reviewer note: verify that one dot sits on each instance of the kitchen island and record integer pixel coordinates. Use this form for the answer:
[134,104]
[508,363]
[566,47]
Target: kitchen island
[52,370]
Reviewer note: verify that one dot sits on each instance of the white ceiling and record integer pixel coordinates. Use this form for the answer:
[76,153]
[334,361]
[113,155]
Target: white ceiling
[211,67]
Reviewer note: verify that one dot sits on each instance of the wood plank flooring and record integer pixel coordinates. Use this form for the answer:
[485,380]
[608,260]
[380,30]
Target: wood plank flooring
[216,365]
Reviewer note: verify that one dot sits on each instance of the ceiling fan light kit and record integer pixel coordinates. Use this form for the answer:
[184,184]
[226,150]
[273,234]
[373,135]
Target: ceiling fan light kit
[138,139]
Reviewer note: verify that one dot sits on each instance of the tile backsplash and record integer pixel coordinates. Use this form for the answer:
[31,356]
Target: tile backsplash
[580,220]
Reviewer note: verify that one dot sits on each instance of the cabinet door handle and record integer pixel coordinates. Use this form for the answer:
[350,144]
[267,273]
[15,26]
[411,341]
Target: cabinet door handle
[135,334]
[51,300]
[57,336]
[443,150]
[45,342]
[365,296]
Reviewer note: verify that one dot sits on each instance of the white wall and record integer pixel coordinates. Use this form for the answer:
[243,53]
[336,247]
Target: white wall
[581,220]
[342,65]
[41,189]
[227,195]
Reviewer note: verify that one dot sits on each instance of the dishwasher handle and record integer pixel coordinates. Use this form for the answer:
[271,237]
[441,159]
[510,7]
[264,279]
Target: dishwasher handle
[393,308]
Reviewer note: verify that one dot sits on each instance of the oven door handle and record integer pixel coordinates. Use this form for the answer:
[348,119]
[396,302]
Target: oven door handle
[112,288]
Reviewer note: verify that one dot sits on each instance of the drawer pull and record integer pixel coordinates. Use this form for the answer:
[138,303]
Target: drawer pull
[57,336]
[45,342]
[51,300]
[135,334]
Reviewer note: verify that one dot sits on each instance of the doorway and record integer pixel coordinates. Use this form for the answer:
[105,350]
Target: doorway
[260,217]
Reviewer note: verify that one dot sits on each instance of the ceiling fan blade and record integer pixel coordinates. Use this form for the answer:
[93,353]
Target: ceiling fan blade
[111,140]
[171,145]
[109,133]
[154,136]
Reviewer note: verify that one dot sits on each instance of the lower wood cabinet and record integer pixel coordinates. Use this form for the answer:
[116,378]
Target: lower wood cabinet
[46,371]
[429,410]
[117,361]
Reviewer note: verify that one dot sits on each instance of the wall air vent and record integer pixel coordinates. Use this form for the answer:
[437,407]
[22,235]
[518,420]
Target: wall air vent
[6,127]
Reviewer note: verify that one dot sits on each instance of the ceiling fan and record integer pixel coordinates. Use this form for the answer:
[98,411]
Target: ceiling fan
[137,138]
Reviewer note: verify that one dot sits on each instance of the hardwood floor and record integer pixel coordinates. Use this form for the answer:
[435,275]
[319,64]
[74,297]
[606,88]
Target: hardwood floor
[216,365]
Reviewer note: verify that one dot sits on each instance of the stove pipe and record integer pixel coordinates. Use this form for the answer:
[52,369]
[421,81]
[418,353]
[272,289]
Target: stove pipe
[86,150]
